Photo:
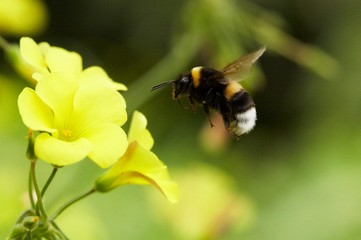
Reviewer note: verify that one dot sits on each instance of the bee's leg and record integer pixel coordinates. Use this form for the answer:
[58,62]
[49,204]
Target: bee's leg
[180,103]
[206,110]
[193,104]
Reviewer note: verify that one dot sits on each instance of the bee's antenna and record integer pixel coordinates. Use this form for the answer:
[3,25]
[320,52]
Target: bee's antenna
[162,85]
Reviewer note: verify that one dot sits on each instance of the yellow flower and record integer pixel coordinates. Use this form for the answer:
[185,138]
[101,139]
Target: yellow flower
[139,165]
[77,112]
[45,59]
[19,17]
[75,119]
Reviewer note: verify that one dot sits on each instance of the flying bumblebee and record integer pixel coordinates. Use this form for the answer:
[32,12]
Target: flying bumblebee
[220,91]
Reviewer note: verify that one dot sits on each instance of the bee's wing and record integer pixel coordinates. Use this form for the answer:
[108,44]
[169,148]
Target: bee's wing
[239,68]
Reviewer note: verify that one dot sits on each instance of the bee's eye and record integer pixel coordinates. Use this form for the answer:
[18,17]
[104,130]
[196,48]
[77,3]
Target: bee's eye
[183,83]
[184,80]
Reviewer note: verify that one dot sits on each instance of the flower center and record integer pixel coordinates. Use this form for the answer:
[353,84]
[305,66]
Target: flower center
[67,134]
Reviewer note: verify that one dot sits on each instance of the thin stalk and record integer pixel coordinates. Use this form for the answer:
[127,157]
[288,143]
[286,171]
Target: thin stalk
[60,233]
[25,214]
[50,179]
[30,186]
[40,207]
[71,202]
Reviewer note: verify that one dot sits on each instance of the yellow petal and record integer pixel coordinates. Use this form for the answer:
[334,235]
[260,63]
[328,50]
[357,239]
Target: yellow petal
[57,91]
[61,153]
[32,54]
[96,104]
[34,112]
[139,166]
[37,76]
[138,131]
[44,47]
[61,60]
[109,144]
[99,76]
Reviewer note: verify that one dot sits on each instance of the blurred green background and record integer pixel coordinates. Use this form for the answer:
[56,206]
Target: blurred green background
[296,176]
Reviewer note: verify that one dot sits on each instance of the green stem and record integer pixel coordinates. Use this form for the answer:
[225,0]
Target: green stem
[30,186]
[50,179]
[60,233]
[40,207]
[24,214]
[71,202]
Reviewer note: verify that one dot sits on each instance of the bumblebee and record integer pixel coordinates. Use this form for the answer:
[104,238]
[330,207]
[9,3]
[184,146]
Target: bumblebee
[220,91]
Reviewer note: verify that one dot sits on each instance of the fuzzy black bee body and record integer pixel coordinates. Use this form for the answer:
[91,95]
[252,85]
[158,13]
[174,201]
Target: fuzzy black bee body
[219,91]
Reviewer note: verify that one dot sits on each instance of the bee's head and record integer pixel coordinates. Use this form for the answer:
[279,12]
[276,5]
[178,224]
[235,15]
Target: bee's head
[181,85]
